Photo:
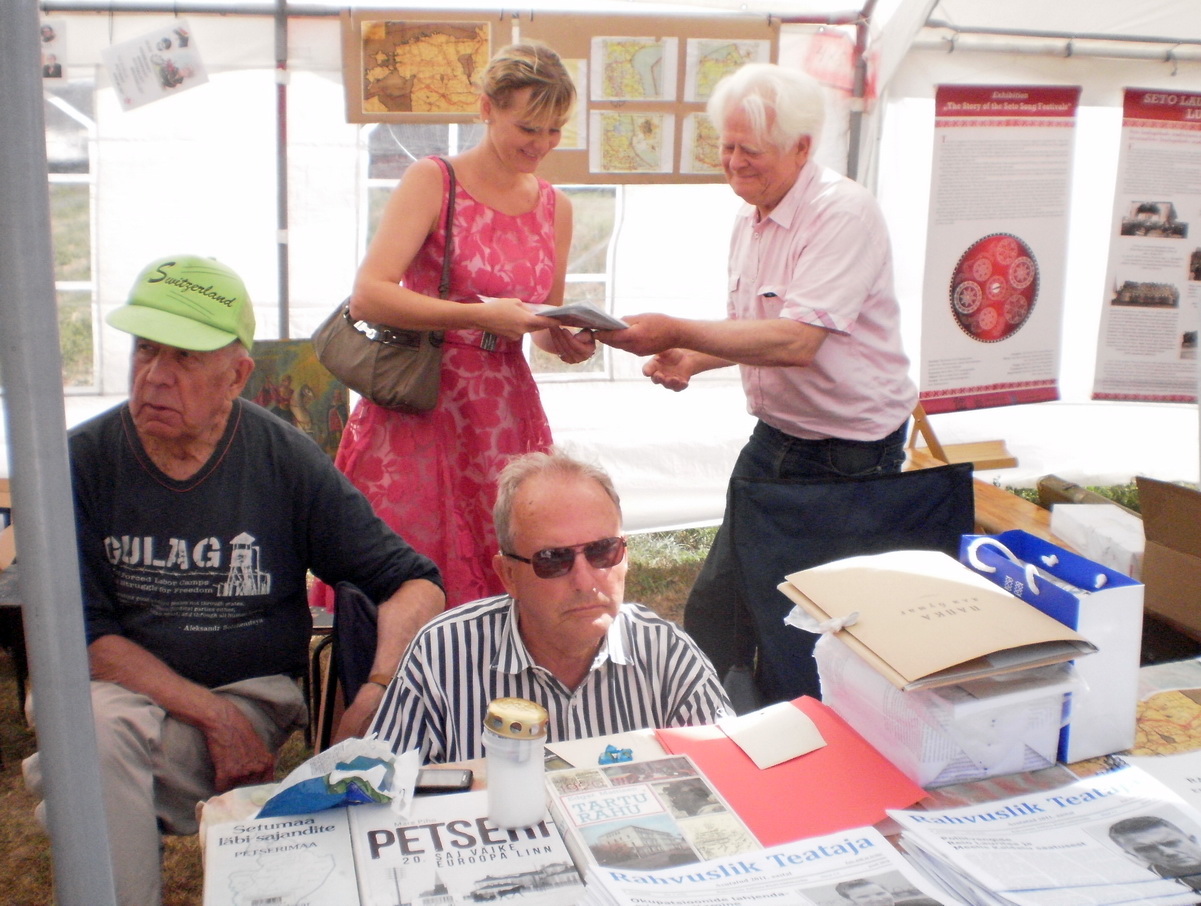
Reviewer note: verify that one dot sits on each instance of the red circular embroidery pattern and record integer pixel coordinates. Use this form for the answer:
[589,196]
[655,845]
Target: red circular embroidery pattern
[994,287]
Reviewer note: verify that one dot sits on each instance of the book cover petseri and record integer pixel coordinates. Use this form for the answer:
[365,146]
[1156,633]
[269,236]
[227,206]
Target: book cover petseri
[446,852]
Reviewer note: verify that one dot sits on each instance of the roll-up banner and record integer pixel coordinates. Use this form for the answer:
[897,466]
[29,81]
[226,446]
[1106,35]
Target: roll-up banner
[996,245]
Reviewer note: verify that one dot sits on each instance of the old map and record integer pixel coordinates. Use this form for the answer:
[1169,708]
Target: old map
[423,67]
[631,142]
[709,59]
[633,69]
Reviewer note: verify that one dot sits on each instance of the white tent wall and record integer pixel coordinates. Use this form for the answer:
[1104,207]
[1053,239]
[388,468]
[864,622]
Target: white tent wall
[196,172]
[1079,439]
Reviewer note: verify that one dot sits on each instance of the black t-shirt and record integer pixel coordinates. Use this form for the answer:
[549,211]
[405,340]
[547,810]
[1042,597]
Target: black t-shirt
[208,574]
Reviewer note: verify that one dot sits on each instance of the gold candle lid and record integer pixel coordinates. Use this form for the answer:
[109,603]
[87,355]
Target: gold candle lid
[516,718]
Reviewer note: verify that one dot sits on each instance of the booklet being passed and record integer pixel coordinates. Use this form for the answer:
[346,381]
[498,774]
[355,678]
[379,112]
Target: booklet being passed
[1120,837]
[576,314]
[581,314]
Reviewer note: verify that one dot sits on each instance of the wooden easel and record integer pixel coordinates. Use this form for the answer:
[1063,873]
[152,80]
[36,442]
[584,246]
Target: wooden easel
[985,454]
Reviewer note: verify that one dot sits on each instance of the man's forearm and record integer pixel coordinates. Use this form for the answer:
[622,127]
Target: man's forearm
[238,754]
[703,361]
[412,605]
[772,342]
[409,608]
[116,659]
[769,343]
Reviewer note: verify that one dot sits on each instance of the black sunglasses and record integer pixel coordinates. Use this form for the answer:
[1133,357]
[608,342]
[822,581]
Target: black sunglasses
[553,562]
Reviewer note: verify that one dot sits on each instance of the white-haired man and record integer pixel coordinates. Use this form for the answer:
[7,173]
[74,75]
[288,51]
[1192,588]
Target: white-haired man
[813,322]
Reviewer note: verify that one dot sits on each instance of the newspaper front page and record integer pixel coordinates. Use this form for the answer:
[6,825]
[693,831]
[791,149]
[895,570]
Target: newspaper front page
[856,866]
[1121,837]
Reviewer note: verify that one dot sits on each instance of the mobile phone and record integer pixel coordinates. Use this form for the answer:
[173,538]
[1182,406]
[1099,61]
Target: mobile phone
[443,780]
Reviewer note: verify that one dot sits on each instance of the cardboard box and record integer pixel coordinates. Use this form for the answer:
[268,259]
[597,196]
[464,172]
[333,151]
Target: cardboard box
[1103,532]
[1172,557]
[951,734]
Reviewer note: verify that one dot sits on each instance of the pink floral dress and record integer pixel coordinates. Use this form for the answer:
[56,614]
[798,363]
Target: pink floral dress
[432,475]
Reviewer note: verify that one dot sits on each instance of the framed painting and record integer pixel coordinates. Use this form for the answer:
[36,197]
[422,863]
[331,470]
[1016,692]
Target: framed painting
[290,382]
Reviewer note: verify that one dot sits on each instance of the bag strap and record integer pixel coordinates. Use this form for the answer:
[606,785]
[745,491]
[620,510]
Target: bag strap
[444,283]
[488,339]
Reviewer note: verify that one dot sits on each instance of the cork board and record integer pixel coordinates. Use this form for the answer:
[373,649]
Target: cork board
[642,80]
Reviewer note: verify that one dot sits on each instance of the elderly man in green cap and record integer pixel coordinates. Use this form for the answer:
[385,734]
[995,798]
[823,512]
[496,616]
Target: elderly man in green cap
[199,515]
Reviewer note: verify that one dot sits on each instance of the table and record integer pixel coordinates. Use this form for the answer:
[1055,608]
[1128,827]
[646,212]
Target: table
[1169,721]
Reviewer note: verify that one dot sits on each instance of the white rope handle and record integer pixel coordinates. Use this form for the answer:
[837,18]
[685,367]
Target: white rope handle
[1048,561]
[976,563]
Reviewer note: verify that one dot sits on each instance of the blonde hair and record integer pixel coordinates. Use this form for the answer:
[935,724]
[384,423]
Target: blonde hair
[533,65]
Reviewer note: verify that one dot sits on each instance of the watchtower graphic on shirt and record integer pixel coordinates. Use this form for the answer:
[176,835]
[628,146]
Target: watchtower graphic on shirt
[245,578]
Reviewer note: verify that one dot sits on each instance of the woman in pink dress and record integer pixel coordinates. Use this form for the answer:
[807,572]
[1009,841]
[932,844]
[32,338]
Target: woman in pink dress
[432,475]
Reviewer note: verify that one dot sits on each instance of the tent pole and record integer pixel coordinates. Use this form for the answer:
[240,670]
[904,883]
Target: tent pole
[859,89]
[43,515]
[281,163]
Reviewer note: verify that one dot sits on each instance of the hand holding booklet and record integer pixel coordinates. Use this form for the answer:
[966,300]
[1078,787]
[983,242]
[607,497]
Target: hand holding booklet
[581,314]
[574,314]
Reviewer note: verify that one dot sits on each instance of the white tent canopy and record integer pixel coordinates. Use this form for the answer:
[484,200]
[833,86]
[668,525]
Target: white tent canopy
[198,171]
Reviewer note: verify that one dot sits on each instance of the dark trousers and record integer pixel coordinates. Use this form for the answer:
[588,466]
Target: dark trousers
[715,614]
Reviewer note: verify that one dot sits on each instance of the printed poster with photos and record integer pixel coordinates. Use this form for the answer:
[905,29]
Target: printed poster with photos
[1147,348]
[997,240]
[52,40]
[155,65]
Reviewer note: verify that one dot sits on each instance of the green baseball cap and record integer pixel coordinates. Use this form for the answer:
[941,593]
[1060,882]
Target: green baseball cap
[190,302]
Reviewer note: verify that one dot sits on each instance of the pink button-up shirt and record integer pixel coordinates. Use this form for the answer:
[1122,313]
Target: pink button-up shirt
[822,257]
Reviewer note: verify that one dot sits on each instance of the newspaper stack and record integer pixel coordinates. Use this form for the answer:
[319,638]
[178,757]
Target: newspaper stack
[1121,837]
[857,866]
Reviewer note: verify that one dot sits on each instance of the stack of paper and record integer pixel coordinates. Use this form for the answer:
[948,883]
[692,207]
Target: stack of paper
[1121,837]
[859,866]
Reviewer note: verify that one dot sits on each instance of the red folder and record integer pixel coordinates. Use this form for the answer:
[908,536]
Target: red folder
[845,784]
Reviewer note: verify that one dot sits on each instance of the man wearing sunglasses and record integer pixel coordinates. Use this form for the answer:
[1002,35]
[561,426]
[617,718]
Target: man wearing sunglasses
[563,636]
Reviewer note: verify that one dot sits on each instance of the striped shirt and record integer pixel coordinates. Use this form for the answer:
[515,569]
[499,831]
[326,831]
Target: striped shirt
[648,673]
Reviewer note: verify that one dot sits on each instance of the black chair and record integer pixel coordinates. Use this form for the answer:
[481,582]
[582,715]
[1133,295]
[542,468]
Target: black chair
[342,659]
[782,526]
[12,626]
